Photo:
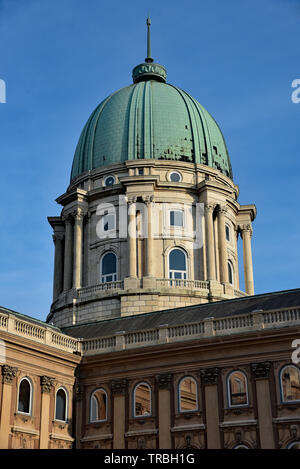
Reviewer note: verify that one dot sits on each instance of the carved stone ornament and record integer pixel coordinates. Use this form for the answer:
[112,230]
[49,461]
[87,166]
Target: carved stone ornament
[9,373]
[261,369]
[222,209]
[58,237]
[131,199]
[148,199]
[209,206]
[78,392]
[164,380]
[47,383]
[210,375]
[119,386]
[247,228]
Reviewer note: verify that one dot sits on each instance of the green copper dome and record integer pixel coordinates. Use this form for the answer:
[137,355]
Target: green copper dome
[150,119]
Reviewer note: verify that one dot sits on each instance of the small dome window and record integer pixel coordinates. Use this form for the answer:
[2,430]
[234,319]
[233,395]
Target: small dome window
[109,181]
[175,177]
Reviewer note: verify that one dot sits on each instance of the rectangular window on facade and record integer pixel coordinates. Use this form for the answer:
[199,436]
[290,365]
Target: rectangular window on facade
[108,222]
[227,229]
[176,218]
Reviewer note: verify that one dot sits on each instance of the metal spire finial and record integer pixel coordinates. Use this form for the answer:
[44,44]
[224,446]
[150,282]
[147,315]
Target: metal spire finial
[148,58]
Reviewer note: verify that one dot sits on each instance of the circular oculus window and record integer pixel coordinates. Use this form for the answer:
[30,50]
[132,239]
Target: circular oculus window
[175,177]
[109,181]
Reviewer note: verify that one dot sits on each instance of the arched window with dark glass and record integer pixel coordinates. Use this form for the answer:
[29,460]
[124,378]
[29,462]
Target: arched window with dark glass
[98,406]
[142,400]
[294,445]
[61,405]
[230,273]
[108,268]
[25,396]
[177,264]
[290,383]
[187,394]
[237,389]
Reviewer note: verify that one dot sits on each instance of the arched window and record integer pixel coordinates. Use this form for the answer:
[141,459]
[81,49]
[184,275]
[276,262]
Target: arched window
[294,445]
[240,446]
[188,399]
[98,406]
[108,268]
[230,273]
[290,383]
[142,400]
[177,264]
[25,396]
[237,389]
[61,405]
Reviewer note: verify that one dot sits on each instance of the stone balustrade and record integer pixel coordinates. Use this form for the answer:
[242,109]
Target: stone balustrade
[208,327]
[38,333]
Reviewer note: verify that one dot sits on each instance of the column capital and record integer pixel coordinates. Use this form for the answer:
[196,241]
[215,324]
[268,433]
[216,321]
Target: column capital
[210,375]
[67,218]
[222,209]
[148,199]
[209,206]
[119,386]
[78,214]
[131,199]
[58,237]
[78,392]
[261,369]
[47,384]
[8,374]
[245,228]
[164,380]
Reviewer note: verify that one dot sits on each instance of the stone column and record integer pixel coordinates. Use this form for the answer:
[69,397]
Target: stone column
[222,244]
[261,373]
[119,388]
[209,241]
[164,410]
[78,232]
[246,233]
[47,385]
[68,261]
[78,414]
[132,236]
[148,200]
[209,378]
[58,238]
[8,375]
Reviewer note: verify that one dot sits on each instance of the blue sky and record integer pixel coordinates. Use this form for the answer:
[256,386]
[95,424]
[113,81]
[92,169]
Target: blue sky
[60,58]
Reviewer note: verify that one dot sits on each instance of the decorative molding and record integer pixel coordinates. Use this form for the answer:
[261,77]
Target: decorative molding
[210,375]
[58,237]
[164,380]
[8,373]
[209,206]
[119,386]
[261,369]
[148,199]
[47,384]
[222,209]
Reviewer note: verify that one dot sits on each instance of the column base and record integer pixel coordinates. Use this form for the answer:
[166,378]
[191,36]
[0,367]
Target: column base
[149,282]
[130,283]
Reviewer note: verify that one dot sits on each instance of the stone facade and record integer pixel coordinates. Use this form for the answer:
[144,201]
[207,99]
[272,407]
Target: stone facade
[143,196]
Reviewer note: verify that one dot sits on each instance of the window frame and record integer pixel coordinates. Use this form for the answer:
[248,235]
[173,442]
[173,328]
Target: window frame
[175,172]
[106,407]
[292,365]
[106,178]
[176,227]
[230,405]
[25,378]
[114,274]
[227,231]
[180,411]
[66,407]
[185,272]
[134,400]
[230,266]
